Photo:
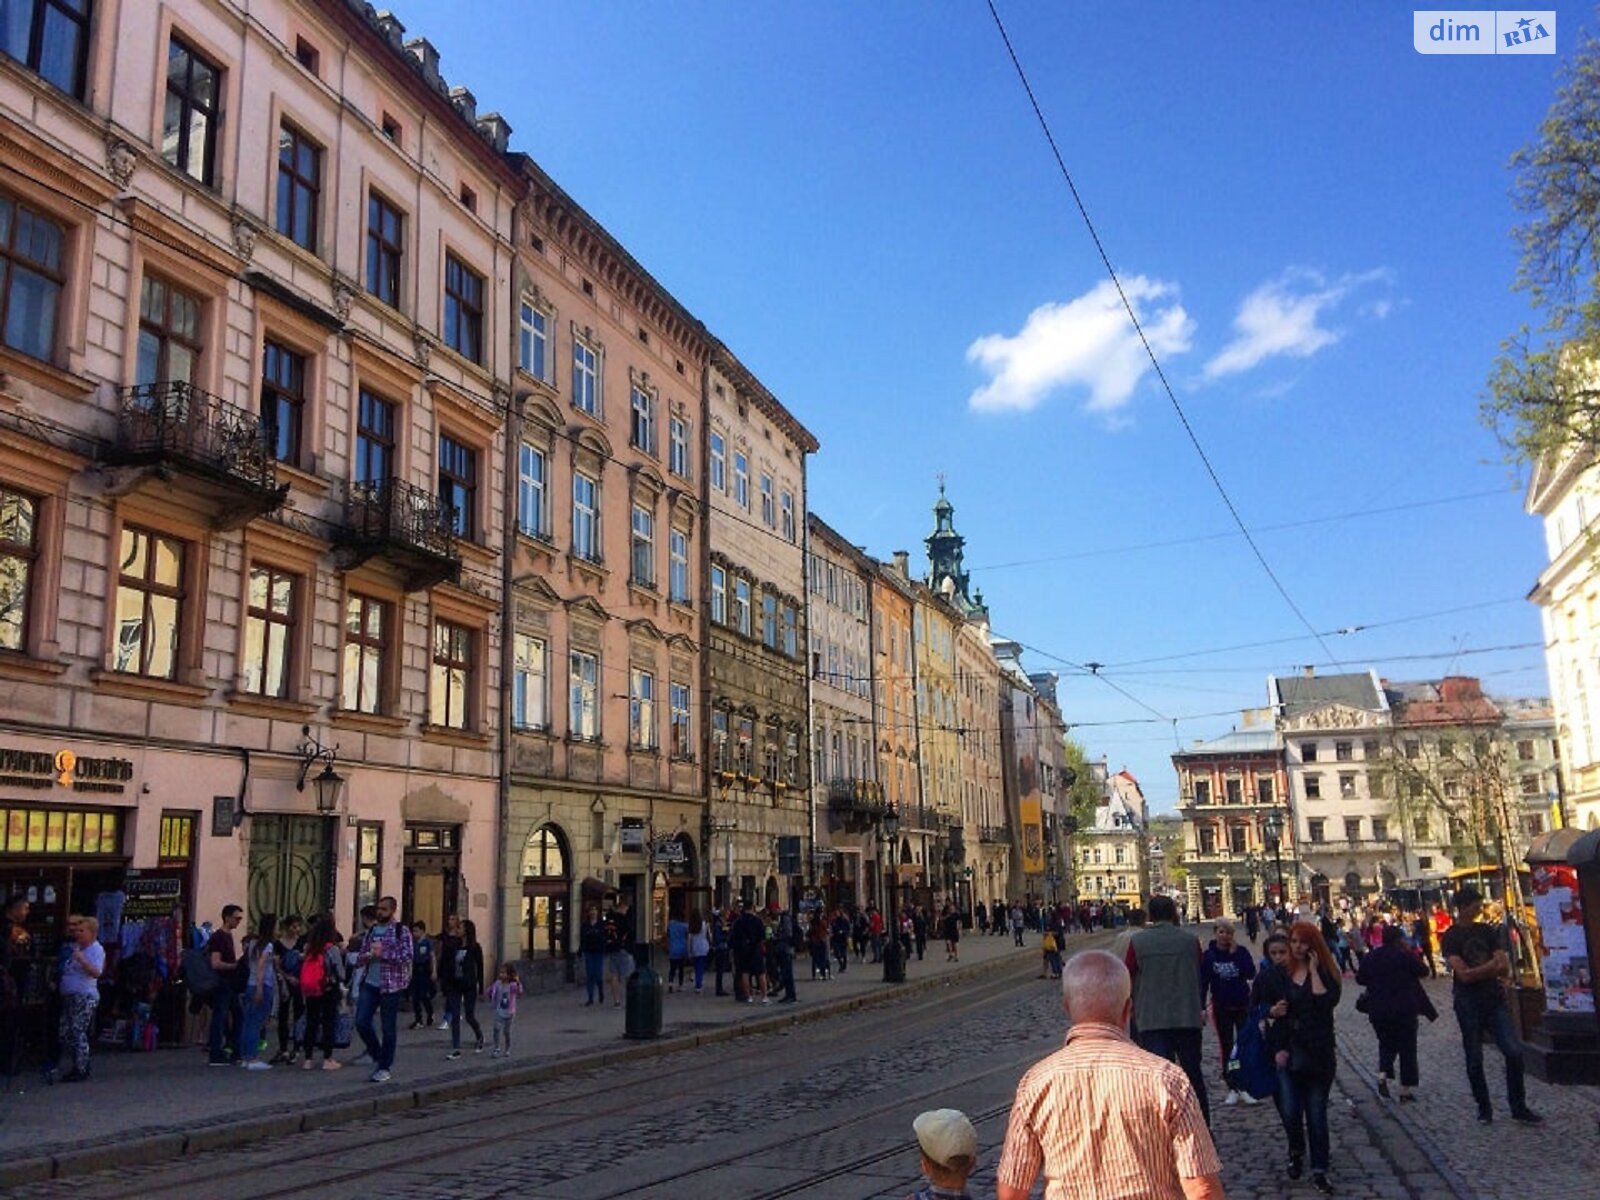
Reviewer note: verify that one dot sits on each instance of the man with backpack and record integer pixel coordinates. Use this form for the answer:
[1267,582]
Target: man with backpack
[222,957]
[383,964]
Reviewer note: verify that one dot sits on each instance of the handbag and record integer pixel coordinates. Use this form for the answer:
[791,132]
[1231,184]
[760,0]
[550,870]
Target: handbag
[1364,1002]
[344,1028]
[1252,1063]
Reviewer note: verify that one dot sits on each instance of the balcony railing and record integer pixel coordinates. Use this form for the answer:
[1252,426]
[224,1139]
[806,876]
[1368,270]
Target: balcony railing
[993,835]
[856,795]
[403,523]
[182,431]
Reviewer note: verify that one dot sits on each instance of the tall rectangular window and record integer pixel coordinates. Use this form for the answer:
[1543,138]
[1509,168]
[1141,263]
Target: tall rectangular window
[741,606]
[585,517]
[719,463]
[585,378]
[741,480]
[299,186]
[719,596]
[532,517]
[369,867]
[678,566]
[791,632]
[458,484]
[719,741]
[385,249]
[642,431]
[533,340]
[374,464]
[681,746]
[769,514]
[193,111]
[463,309]
[450,680]
[283,398]
[644,546]
[530,684]
[149,604]
[169,333]
[49,37]
[787,509]
[31,278]
[583,674]
[269,632]
[678,446]
[363,667]
[641,709]
[19,549]
[769,620]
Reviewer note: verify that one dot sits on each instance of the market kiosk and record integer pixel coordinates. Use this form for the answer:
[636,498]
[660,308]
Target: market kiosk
[1565,889]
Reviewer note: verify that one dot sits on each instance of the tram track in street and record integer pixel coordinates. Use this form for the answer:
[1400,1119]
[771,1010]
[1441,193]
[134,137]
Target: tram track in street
[445,1128]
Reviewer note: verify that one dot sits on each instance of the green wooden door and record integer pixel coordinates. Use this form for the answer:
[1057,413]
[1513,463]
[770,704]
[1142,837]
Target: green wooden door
[290,871]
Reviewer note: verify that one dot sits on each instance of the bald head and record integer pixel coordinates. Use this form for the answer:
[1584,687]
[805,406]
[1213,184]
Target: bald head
[1095,986]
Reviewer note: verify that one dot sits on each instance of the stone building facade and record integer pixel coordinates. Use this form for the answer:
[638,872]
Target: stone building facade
[606,781]
[934,827]
[251,448]
[894,708]
[986,873]
[847,798]
[1228,787]
[758,822]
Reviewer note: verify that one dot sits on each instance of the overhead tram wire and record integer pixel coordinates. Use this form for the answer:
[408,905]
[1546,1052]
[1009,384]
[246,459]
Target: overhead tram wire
[1183,417]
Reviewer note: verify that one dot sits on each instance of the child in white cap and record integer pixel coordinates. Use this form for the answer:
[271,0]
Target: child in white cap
[949,1146]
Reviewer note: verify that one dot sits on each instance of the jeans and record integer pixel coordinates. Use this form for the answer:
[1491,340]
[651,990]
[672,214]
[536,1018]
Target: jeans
[1016,932]
[594,977]
[225,1013]
[461,1006]
[1474,1015]
[373,1002]
[1227,1022]
[502,1029]
[785,974]
[255,1021]
[699,971]
[1303,1104]
[1181,1046]
[1397,1036]
[421,999]
[291,1006]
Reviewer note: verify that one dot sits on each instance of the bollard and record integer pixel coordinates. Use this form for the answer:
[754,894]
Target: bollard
[894,961]
[643,1006]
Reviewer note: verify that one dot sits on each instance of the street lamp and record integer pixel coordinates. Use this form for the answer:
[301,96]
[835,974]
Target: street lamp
[894,969]
[1273,827]
[328,782]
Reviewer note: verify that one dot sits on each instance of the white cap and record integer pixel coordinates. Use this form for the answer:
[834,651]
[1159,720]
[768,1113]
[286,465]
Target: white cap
[944,1134]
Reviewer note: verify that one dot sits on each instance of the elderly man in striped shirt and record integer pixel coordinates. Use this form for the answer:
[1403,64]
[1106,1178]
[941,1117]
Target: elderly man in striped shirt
[1102,1118]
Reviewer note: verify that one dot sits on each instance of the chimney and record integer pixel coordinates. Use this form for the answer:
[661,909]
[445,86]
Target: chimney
[389,25]
[466,103]
[424,52]
[496,130]
[1309,671]
[902,563]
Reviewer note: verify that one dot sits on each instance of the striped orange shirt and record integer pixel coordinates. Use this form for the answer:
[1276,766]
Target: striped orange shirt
[1106,1121]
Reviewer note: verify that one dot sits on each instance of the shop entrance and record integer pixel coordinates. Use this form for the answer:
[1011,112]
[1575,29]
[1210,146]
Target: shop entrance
[431,883]
[291,865]
[546,894]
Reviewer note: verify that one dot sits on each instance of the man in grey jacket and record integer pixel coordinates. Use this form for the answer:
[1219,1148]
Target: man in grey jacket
[1164,961]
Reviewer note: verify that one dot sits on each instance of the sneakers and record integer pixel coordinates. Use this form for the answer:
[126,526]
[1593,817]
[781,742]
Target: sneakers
[453,1054]
[1297,1166]
[1231,1099]
[443,1026]
[1319,1181]
[330,1064]
[379,1076]
[1249,1100]
[218,1062]
[255,1064]
[1486,1116]
[1407,1096]
[1383,1086]
[308,1064]
[478,1049]
[1527,1117]
[495,1053]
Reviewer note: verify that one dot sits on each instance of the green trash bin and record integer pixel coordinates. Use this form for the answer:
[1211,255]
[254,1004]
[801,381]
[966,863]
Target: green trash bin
[643,1006]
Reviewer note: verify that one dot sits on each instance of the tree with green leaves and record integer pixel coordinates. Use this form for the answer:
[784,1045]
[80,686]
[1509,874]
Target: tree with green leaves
[1085,794]
[1543,398]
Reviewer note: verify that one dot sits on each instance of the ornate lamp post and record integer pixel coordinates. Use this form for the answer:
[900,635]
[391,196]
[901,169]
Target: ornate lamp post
[1273,828]
[329,784]
[894,967]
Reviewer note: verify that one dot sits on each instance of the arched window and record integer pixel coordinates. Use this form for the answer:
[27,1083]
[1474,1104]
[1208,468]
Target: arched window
[544,856]
[546,892]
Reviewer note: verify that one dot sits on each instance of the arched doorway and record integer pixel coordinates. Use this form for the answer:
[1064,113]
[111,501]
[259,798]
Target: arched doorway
[546,893]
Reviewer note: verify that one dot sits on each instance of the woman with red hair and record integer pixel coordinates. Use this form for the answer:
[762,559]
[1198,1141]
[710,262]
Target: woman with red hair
[1304,992]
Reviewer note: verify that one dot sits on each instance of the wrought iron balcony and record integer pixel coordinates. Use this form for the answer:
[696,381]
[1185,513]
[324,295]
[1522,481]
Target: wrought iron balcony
[856,795]
[993,835]
[173,430]
[404,524]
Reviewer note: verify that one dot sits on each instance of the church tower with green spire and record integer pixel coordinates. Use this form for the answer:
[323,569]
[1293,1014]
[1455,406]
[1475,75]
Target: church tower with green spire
[946,576]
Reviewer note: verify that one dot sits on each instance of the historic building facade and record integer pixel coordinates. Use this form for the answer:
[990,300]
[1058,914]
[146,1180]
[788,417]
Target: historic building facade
[1232,794]
[986,873]
[251,447]
[847,798]
[1111,865]
[603,623]
[934,826]
[895,710]
[1019,774]
[758,823]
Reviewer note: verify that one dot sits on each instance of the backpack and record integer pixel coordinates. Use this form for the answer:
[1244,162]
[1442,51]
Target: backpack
[314,974]
[1252,1057]
[197,970]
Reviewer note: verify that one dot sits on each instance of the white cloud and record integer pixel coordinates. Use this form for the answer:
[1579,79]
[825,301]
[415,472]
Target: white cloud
[1086,342]
[1283,317]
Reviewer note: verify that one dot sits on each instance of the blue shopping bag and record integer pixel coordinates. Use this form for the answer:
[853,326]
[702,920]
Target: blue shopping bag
[1252,1057]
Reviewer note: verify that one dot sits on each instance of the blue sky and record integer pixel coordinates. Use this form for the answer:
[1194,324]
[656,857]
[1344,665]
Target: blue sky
[1312,218]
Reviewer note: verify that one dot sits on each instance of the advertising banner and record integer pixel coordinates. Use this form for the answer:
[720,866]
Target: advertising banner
[1556,902]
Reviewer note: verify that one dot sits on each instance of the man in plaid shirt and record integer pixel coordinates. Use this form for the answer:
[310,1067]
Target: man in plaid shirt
[383,973]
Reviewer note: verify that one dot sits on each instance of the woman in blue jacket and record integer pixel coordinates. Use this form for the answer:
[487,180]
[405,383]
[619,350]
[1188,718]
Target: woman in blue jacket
[1392,975]
[1225,974]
